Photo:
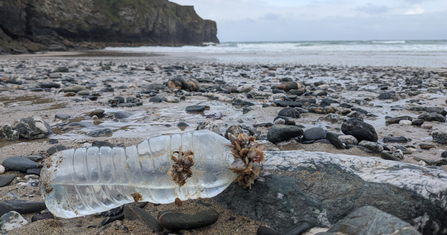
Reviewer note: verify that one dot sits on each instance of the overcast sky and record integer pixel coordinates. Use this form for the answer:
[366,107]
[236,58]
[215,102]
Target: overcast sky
[297,20]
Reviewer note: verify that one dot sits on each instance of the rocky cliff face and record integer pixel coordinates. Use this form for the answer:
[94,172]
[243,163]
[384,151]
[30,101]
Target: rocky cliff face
[36,25]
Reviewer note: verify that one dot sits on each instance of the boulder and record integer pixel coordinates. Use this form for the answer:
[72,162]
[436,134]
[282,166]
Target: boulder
[359,129]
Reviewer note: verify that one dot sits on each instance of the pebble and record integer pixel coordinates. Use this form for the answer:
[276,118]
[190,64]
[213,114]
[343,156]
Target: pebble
[97,112]
[314,133]
[99,143]
[388,156]
[177,221]
[34,171]
[100,132]
[359,129]
[195,108]
[331,137]
[289,112]
[427,146]
[11,221]
[42,216]
[373,146]
[34,158]
[2,169]
[444,154]
[278,133]
[19,164]
[297,229]
[392,139]
[439,137]
[21,206]
[418,122]
[5,180]
[262,230]
[136,213]
[121,115]
[55,149]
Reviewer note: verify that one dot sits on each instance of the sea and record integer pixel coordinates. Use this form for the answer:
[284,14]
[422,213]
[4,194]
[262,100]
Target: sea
[419,53]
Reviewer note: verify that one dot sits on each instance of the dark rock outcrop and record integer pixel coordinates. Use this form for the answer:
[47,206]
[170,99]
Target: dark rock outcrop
[54,25]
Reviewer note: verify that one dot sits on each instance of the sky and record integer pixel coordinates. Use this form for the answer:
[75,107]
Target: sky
[302,20]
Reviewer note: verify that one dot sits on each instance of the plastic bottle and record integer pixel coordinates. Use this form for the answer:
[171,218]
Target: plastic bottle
[85,181]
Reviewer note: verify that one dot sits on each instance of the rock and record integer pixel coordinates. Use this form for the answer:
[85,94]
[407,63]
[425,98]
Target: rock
[195,108]
[34,158]
[122,115]
[100,132]
[389,156]
[33,171]
[19,164]
[61,70]
[278,133]
[369,220]
[385,96]
[398,119]
[53,141]
[393,139]
[282,120]
[2,169]
[289,112]
[97,112]
[439,137]
[405,122]
[21,206]
[55,149]
[348,140]
[50,85]
[156,99]
[440,162]
[373,146]
[359,129]
[432,117]
[335,140]
[7,132]
[288,104]
[322,188]
[417,122]
[42,216]
[444,154]
[11,221]
[297,229]
[113,212]
[177,221]
[5,180]
[189,84]
[314,133]
[32,128]
[262,230]
[427,146]
[99,143]
[136,213]
[287,86]
[182,125]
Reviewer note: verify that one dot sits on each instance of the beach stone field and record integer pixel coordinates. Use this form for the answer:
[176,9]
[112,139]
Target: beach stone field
[348,149]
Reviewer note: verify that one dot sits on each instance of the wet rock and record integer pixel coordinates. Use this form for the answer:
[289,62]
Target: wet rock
[432,117]
[289,112]
[369,220]
[314,133]
[55,149]
[417,122]
[359,129]
[373,146]
[177,221]
[195,108]
[278,133]
[262,230]
[7,132]
[439,137]
[136,213]
[32,128]
[100,132]
[339,185]
[21,206]
[5,180]
[331,137]
[19,164]
[42,216]
[395,139]
[11,221]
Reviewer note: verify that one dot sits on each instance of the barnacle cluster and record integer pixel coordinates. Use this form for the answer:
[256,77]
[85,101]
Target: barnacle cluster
[181,169]
[248,158]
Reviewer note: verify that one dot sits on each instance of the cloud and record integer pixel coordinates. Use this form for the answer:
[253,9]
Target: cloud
[372,9]
[416,10]
[271,16]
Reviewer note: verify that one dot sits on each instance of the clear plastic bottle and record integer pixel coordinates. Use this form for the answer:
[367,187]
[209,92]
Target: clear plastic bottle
[85,181]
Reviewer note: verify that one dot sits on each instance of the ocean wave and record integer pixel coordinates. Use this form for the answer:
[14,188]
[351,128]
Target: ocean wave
[389,42]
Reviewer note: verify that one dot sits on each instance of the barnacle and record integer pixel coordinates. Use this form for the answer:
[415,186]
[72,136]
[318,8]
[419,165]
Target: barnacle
[248,156]
[181,169]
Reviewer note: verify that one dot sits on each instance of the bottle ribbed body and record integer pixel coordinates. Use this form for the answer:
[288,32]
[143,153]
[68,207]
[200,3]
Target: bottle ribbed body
[85,181]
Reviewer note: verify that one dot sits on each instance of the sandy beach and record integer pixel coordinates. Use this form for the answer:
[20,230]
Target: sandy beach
[224,81]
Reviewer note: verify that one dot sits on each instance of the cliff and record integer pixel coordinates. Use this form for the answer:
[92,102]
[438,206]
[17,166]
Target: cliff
[57,25]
